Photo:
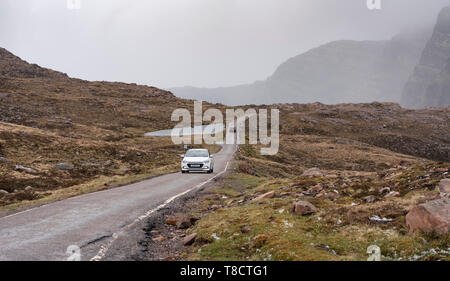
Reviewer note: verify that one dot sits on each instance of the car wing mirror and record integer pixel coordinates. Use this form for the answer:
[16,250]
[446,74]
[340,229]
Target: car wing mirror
[211,156]
[182,155]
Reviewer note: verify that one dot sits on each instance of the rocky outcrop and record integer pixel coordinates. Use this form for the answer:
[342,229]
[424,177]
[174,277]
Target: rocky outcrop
[433,216]
[429,84]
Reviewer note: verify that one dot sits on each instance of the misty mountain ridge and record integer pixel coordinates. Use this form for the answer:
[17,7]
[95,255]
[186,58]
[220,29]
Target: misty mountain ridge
[429,85]
[340,71]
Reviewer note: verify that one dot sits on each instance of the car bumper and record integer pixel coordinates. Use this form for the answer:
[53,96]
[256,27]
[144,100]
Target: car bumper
[185,168]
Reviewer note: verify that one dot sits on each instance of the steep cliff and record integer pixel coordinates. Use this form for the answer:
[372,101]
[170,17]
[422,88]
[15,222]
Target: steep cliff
[427,84]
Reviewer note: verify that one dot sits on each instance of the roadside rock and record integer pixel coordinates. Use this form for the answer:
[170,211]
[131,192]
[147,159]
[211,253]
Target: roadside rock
[430,216]
[3,160]
[303,208]
[370,199]
[189,240]
[444,188]
[313,172]
[184,223]
[265,195]
[64,166]
[159,239]
[2,191]
[28,188]
[26,170]
[172,221]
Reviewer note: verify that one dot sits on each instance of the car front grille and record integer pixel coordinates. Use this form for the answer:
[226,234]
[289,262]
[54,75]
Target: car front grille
[195,165]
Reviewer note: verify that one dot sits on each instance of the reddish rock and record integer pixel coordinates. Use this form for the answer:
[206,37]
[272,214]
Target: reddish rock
[444,187]
[189,240]
[430,216]
[265,195]
[260,240]
[282,194]
[246,229]
[172,221]
[159,239]
[303,208]
[315,189]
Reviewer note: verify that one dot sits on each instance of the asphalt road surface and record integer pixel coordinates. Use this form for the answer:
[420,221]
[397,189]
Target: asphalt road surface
[90,221]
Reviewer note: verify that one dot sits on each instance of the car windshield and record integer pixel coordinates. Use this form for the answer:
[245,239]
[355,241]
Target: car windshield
[197,153]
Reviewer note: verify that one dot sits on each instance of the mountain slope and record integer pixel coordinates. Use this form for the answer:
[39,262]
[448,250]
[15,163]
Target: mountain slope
[58,132]
[429,71]
[12,66]
[341,71]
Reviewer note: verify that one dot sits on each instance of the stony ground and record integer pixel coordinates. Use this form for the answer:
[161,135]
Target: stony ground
[321,198]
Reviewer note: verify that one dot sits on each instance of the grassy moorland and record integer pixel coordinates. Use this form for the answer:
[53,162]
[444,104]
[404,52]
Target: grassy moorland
[374,163]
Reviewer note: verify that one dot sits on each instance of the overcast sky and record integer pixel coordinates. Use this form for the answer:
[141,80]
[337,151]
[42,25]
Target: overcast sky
[205,43]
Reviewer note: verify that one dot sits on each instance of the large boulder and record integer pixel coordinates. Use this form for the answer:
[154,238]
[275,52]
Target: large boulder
[303,208]
[444,187]
[431,216]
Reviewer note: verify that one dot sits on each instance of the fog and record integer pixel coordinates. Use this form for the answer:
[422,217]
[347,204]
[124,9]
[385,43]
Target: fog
[204,43]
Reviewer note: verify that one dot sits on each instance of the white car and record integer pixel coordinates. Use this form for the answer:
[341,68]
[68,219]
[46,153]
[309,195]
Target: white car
[197,160]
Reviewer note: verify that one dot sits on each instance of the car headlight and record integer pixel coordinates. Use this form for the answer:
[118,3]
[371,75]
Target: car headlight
[184,162]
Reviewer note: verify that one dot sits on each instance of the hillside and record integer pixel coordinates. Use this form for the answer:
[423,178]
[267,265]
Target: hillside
[58,132]
[346,177]
[340,71]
